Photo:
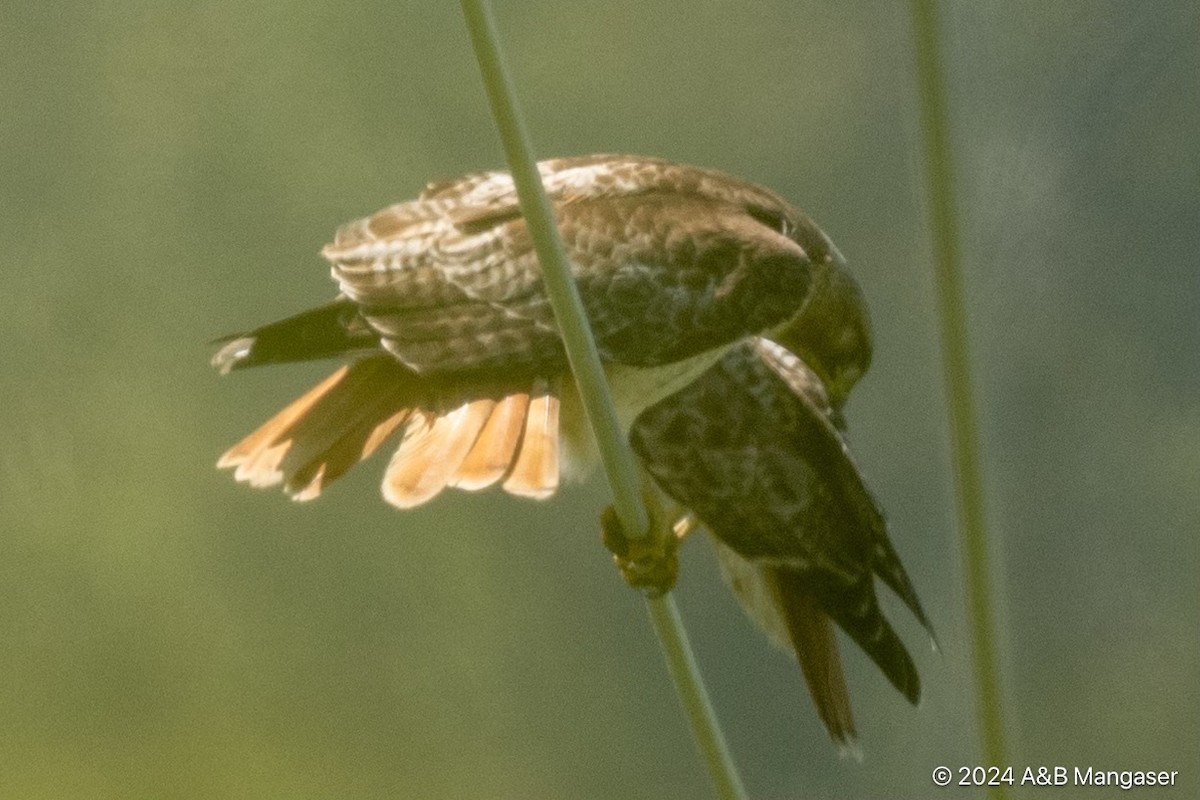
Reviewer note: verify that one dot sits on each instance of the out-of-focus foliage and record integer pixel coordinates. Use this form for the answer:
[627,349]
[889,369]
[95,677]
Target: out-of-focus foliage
[169,173]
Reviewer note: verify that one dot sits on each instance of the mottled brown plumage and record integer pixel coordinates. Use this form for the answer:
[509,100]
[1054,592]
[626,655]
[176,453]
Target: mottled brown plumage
[454,351]
[753,450]
[674,264]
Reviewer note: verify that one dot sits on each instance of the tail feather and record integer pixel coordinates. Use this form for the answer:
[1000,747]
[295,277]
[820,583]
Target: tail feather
[432,452]
[372,392]
[779,603]
[327,430]
[492,455]
[535,472]
[245,453]
[469,438]
[814,641]
[357,445]
[263,469]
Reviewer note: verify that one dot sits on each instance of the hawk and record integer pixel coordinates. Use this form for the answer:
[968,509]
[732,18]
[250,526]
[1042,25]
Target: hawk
[452,343]
[753,451]
[730,333]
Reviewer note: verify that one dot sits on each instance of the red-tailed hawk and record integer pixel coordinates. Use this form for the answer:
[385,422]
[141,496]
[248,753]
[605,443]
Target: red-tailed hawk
[753,450]
[453,350]
[454,346]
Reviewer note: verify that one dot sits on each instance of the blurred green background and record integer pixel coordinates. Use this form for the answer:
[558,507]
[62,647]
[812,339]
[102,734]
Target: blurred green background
[170,171]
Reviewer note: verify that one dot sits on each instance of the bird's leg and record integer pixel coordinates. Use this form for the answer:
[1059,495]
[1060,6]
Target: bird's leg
[649,562]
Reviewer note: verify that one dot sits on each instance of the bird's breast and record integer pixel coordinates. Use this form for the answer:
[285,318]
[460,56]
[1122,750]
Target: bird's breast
[634,389]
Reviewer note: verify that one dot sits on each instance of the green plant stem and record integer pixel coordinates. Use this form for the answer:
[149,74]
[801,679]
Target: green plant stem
[616,456]
[964,432]
[689,685]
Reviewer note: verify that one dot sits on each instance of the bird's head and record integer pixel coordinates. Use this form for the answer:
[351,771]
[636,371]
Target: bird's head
[832,332]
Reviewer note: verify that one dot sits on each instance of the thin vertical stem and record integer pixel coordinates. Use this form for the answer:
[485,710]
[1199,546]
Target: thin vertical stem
[689,685]
[618,459]
[964,431]
[615,453]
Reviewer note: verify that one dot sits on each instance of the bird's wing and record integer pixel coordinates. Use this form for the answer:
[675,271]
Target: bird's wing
[758,462]
[670,261]
[489,195]
[828,447]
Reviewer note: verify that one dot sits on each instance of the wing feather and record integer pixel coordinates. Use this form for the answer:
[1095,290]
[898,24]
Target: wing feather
[755,457]
[671,261]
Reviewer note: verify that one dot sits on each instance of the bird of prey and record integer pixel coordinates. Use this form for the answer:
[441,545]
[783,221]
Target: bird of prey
[730,333]
[753,452]
[451,341]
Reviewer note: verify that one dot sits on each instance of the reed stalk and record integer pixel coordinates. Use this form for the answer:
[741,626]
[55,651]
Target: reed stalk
[960,401]
[615,453]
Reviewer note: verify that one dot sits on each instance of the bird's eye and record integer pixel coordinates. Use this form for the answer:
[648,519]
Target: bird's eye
[772,219]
